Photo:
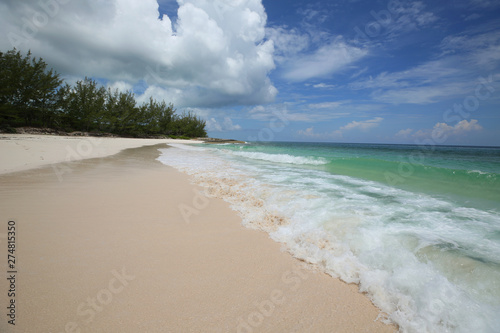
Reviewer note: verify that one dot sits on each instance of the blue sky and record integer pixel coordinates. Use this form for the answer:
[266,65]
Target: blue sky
[337,71]
[397,72]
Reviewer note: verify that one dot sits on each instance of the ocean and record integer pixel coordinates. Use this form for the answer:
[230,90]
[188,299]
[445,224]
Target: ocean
[416,227]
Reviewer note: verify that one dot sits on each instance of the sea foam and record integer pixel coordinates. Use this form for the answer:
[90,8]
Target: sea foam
[281,158]
[429,265]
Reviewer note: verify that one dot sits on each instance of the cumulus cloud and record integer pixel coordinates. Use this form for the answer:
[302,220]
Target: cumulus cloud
[339,133]
[362,125]
[442,131]
[290,112]
[324,86]
[322,62]
[120,86]
[213,53]
[404,134]
[460,128]
[309,132]
[225,126]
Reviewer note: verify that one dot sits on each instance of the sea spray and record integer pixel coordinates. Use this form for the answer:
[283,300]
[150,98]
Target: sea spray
[428,262]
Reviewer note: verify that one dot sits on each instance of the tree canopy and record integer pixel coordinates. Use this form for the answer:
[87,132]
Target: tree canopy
[33,95]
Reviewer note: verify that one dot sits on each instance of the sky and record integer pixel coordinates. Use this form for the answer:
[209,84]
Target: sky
[364,71]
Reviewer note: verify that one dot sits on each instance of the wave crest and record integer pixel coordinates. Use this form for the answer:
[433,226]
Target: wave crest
[282,158]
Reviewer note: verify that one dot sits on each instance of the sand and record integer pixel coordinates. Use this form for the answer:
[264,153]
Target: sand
[126,244]
[24,151]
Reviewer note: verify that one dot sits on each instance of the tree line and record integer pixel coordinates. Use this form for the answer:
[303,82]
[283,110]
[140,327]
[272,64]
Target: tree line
[31,94]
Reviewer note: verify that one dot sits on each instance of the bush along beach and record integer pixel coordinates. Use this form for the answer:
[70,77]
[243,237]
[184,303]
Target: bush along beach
[33,95]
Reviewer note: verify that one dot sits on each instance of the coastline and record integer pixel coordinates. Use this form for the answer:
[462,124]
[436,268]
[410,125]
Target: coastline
[125,243]
[27,151]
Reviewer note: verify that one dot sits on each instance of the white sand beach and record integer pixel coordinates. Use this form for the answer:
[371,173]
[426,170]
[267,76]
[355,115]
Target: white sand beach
[104,247]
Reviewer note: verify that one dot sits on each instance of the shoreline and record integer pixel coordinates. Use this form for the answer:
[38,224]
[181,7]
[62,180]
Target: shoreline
[109,249]
[27,151]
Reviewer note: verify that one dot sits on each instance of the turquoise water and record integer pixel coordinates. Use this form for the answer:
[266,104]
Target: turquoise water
[417,228]
[468,174]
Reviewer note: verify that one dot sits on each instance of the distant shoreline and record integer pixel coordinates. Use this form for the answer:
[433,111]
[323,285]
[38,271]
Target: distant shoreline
[54,132]
[22,152]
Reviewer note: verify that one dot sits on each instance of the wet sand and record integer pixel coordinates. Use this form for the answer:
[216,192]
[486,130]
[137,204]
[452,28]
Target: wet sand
[126,244]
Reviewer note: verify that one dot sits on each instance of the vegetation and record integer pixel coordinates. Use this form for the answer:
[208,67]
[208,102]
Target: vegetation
[32,95]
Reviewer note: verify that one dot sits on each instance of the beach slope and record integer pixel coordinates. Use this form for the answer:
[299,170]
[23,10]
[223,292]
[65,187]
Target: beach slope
[126,244]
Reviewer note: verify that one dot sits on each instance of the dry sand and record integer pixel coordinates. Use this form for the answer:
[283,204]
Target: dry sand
[24,151]
[106,249]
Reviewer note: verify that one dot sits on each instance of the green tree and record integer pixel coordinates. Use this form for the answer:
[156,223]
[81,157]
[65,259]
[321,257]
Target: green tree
[30,94]
[157,116]
[189,125]
[85,105]
[27,90]
[121,112]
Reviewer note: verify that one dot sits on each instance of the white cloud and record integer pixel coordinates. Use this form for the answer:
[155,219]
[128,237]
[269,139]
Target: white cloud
[225,126]
[213,126]
[290,112]
[214,54]
[470,41]
[323,62]
[311,52]
[327,105]
[339,133]
[315,16]
[281,112]
[404,134]
[323,86]
[120,86]
[229,126]
[287,42]
[441,132]
[460,128]
[472,17]
[423,74]
[307,132]
[421,95]
[424,84]
[359,72]
[410,16]
[485,3]
[362,125]
[450,75]
[403,18]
